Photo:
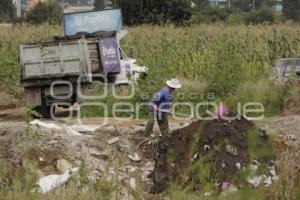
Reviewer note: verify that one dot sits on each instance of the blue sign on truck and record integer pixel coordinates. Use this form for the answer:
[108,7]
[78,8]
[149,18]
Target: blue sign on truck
[90,22]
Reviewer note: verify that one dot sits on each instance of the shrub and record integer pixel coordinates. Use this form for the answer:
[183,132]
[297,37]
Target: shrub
[263,15]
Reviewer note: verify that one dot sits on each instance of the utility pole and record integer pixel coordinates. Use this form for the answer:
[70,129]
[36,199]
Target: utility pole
[229,3]
[253,4]
[18,5]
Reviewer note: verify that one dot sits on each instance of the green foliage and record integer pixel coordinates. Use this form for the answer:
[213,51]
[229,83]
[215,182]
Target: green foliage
[211,14]
[7,11]
[263,15]
[99,4]
[291,9]
[50,12]
[156,12]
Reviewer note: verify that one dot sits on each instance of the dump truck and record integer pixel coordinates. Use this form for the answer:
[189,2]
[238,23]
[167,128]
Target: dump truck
[60,71]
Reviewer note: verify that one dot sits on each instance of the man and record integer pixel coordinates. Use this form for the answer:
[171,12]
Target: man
[162,101]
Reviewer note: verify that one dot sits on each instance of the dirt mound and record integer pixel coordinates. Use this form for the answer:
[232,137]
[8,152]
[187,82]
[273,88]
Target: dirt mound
[205,151]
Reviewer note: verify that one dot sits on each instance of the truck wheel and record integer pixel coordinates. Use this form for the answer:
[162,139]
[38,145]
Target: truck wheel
[44,110]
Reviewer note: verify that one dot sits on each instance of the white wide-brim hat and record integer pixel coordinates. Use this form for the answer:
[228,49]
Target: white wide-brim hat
[173,83]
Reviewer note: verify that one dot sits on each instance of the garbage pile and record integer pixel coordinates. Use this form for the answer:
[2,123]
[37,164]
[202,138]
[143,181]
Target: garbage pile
[215,152]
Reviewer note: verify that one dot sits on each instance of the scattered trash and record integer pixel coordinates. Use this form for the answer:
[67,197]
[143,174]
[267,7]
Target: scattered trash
[255,181]
[135,157]
[39,123]
[223,165]
[84,128]
[50,182]
[238,165]
[225,185]
[71,131]
[113,140]
[206,147]
[132,183]
[272,172]
[207,194]
[268,181]
[149,166]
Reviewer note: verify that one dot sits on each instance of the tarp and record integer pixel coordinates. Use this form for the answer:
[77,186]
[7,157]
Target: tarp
[93,21]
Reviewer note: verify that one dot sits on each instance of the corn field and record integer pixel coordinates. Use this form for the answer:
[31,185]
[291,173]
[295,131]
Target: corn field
[232,61]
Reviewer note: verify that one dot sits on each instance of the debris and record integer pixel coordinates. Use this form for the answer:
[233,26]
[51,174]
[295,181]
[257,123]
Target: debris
[206,147]
[135,157]
[232,150]
[39,123]
[113,140]
[132,183]
[225,185]
[84,128]
[238,165]
[63,165]
[223,165]
[50,182]
[268,181]
[52,142]
[141,143]
[272,172]
[255,181]
[71,131]
[149,166]
[96,153]
[208,193]
[253,168]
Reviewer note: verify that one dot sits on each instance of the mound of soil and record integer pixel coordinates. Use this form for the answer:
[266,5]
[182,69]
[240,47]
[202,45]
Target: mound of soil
[221,146]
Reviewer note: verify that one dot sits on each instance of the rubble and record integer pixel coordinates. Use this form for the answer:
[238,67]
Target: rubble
[135,157]
[63,165]
[255,181]
[50,182]
[113,140]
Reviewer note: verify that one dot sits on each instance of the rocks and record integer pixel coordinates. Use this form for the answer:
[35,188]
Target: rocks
[63,165]
[238,165]
[132,183]
[113,140]
[255,181]
[135,157]
[232,150]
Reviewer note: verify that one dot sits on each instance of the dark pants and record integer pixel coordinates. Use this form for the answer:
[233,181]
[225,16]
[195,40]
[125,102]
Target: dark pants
[162,123]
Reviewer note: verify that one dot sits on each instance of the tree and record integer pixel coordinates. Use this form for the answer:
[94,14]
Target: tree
[291,9]
[99,4]
[156,12]
[50,12]
[7,11]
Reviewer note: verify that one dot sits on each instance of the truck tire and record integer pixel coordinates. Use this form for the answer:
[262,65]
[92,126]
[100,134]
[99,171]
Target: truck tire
[43,110]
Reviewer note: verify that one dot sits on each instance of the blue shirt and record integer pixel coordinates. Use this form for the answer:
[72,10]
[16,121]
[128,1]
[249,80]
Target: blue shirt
[162,99]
